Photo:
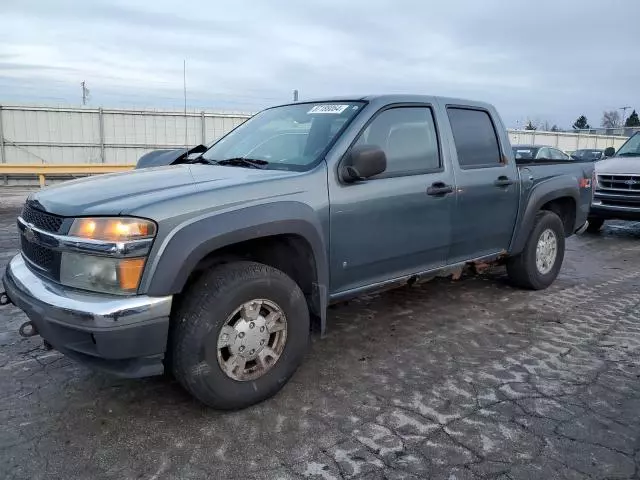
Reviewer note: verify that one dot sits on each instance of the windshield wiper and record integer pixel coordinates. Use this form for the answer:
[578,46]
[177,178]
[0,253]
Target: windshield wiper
[628,154]
[244,162]
[201,159]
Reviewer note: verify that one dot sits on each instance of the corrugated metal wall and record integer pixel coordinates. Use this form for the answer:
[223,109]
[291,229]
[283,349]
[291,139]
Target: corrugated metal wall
[35,134]
[84,135]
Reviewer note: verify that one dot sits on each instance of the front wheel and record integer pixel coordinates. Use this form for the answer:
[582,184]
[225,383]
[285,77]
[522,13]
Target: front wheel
[538,265]
[239,335]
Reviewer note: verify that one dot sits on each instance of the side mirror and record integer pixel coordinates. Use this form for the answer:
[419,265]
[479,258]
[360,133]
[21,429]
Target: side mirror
[609,152]
[362,162]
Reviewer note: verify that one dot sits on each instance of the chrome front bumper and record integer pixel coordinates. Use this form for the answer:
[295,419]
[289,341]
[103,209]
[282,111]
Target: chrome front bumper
[126,336]
[614,212]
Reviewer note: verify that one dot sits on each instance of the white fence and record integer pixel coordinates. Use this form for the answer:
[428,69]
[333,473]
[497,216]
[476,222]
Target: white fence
[38,134]
[565,141]
[32,134]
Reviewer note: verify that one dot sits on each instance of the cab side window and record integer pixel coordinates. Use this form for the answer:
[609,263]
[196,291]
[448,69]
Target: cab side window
[408,137]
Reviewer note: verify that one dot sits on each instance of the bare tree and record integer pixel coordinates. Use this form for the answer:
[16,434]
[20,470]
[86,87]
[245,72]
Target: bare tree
[611,119]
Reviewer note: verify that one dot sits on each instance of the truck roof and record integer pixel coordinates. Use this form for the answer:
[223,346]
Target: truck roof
[386,99]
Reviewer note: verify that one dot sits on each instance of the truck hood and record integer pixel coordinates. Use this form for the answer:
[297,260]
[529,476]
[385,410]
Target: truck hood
[119,193]
[619,165]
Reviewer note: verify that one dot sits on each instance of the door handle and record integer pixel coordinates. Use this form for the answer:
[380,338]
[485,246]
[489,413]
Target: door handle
[503,181]
[439,189]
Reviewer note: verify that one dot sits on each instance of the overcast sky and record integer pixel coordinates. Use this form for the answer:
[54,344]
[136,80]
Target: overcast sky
[547,60]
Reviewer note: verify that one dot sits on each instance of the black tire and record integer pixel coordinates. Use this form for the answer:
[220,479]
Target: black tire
[522,268]
[595,224]
[204,311]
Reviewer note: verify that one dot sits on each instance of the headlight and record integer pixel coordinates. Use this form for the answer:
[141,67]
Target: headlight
[113,229]
[116,270]
[101,274]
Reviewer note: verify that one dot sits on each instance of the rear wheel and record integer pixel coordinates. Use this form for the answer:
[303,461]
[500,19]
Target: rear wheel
[595,224]
[538,265]
[239,335]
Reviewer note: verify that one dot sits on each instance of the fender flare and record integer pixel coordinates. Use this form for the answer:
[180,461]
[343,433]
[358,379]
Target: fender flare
[176,257]
[542,193]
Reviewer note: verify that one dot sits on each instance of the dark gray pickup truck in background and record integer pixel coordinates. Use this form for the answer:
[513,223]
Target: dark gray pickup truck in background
[214,266]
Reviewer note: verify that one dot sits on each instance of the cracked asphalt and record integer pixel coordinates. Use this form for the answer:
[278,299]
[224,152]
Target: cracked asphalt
[452,380]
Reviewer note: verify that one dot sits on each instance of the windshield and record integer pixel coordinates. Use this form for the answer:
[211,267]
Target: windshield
[291,137]
[525,153]
[631,148]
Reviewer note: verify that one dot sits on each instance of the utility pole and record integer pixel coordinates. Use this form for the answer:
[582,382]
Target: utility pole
[295,95]
[624,114]
[186,120]
[85,92]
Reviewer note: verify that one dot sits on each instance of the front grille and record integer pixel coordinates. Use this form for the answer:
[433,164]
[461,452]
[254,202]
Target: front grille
[40,256]
[42,220]
[624,184]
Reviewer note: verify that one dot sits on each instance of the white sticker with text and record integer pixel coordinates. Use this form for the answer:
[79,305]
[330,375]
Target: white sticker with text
[326,108]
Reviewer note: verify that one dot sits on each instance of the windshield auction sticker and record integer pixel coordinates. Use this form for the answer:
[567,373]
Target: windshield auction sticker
[327,108]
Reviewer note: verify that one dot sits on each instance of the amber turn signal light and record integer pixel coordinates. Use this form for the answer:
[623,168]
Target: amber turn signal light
[113,228]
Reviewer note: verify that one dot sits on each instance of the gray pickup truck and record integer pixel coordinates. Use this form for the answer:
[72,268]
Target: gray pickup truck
[216,266]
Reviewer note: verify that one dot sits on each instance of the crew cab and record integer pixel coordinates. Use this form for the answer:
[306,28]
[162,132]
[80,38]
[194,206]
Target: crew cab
[215,265]
[617,189]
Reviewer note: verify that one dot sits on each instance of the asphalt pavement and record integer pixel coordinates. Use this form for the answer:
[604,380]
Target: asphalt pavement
[450,380]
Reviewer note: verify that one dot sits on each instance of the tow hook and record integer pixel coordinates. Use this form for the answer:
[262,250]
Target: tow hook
[28,329]
[4,299]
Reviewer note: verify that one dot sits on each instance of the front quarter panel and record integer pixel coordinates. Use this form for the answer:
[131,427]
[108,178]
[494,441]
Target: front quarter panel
[179,253]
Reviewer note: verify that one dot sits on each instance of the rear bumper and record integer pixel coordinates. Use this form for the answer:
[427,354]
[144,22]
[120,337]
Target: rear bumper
[126,336]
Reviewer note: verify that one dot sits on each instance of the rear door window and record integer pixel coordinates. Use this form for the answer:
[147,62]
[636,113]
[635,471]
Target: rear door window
[475,138]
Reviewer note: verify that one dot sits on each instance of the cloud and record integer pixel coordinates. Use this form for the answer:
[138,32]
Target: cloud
[545,59]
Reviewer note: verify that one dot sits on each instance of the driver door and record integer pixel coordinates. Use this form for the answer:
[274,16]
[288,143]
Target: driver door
[391,225]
